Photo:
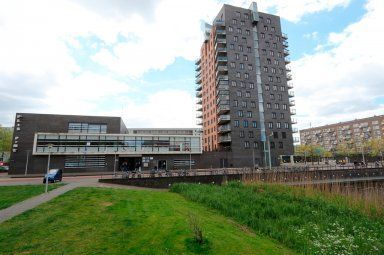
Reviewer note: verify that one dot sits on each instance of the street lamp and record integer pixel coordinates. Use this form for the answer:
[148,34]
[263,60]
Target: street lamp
[269,151]
[49,161]
[26,163]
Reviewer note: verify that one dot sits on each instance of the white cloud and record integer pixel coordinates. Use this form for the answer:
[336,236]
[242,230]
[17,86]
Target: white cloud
[313,35]
[343,82]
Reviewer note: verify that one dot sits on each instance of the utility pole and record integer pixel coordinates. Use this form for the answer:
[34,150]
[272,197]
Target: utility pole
[26,163]
[49,161]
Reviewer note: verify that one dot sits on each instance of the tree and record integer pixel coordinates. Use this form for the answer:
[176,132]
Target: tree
[376,147]
[303,150]
[5,140]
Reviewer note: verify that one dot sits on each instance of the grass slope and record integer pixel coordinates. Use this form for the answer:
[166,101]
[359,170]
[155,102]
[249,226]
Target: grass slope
[113,221]
[10,195]
[308,224]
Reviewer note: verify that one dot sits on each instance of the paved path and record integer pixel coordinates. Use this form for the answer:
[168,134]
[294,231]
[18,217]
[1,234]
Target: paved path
[344,180]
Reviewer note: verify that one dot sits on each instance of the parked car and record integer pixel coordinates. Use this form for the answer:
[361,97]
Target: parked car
[54,175]
[4,166]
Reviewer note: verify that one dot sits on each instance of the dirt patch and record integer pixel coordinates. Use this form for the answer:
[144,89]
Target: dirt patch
[106,204]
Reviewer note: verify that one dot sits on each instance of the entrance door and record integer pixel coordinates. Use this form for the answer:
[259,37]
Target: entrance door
[129,163]
[162,165]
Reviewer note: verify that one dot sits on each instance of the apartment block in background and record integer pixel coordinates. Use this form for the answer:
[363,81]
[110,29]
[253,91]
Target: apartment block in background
[354,132]
[244,90]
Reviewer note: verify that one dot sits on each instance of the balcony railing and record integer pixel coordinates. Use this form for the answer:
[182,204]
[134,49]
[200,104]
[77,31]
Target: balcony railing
[295,130]
[296,139]
[289,77]
[199,108]
[199,115]
[198,68]
[224,129]
[198,74]
[225,139]
[198,80]
[223,87]
[285,44]
[287,60]
[291,93]
[293,111]
[219,23]
[284,36]
[199,101]
[221,41]
[222,108]
[199,94]
[288,68]
[286,52]
[198,87]
[199,122]
[291,102]
[224,119]
[293,121]
[220,31]
[198,61]
[290,85]
[222,59]
[222,69]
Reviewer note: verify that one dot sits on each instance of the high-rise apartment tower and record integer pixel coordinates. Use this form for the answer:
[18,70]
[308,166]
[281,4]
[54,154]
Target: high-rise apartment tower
[243,88]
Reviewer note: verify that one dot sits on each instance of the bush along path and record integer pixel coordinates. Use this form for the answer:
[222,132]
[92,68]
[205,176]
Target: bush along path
[308,224]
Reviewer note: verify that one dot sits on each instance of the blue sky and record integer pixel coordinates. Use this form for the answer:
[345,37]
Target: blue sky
[131,59]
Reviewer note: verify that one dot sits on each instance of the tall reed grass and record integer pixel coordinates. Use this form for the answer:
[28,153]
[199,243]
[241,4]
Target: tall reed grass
[306,220]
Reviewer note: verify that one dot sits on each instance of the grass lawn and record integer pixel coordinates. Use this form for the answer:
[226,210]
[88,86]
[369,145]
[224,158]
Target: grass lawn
[310,224]
[117,221]
[10,195]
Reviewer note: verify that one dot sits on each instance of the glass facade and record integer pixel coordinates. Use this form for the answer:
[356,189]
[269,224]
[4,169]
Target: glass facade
[114,144]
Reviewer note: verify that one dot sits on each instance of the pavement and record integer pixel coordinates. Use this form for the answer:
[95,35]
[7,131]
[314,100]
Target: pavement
[71,183]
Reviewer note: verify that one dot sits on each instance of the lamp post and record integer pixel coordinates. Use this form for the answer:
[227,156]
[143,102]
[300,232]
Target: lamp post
[26,163]
[269,151]
[49,161]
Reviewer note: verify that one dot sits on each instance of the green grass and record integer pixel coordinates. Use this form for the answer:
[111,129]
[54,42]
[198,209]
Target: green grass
[10,195]
[308,224]
[114,221]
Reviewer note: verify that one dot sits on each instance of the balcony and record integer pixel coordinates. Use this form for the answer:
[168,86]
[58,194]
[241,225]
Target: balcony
[295,130]
[291,102]
[290,85]
[287,60]
[224,119]
[198,68]
[221,41]
[293,111]
[223,87]
[223,108]
[224,129]
[288,68]
[285,44]
[198,87]
[219,23]
[222,59]
[199,115]
[198,80]
[296,139]
[284,36]
[199,122]
[198,61]
[289,77]
[225,138]
[222,70]
[199,94]
[286,52]
[293,121]
[221,98]
[220,31]
[291,94]
[198,74]
[199,108]
[199,101]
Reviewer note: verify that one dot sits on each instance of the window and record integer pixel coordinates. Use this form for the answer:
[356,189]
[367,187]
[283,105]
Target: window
[245,123]
[273,115]
[245,57]
[241,66]
[238,30]
[285,107]
[279,54]
[251,85]
[246,15]
[273,29]
[274,45]
[250,134]
[240,113]
[281,115]
[264,52]
[237,124]
[237,56]
[246,144]
[269,61]
[255,145]
[249,49]
[272,145]
[246,75]
[267,43]
[267,88]
[237,74]
[242,84]
[270,124]
[275,135]
[268,21]
[282,88]
[232,65]
[279,96]
[268,105]
[242,22]
[286,125]
[263,35]
[240,47]
[241,133]
[278,79]
[254,124]
[77,127]
[270,36]
[274,88]
[247,32]
[235,103]
[278,124]
[84,161]
[270,78]
[253,104]
[265,28]
[232,46]
[277,106]
[273,70]
[271,53]
[280,145]
[283,135]
[235,38]
[272,96]
[234,21]
[247,94]
[238,93]
[250,67]
[244,104]
[230,29]
[233,83]
[276,62]
[249,114]
[265,69]
[238,14]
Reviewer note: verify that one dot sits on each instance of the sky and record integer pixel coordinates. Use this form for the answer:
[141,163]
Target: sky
[135,58]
